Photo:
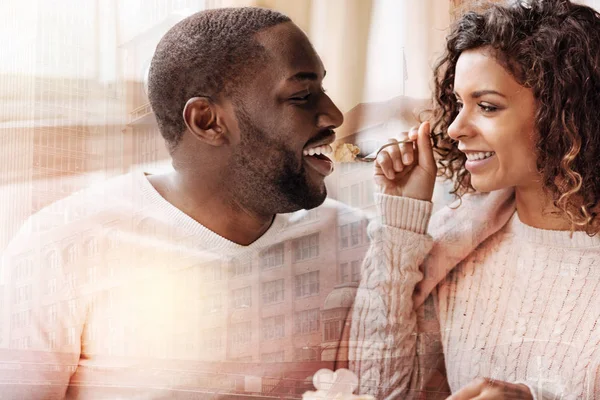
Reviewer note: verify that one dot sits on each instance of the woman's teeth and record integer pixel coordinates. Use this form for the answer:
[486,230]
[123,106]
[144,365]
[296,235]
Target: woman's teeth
[318,150]
[479,156]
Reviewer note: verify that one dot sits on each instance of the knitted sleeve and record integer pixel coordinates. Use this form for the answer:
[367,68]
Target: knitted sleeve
[383,348]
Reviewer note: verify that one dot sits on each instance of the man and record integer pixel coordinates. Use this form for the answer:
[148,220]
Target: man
[163,278]
[238,151]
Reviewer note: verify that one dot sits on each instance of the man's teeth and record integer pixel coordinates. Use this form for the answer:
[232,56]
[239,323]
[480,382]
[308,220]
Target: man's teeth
[479,156]
[318,150]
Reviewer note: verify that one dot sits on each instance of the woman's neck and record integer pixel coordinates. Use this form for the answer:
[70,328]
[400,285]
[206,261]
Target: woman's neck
[535,208]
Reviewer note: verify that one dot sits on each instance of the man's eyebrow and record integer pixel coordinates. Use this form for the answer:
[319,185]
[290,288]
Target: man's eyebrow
[305,76]
[477,94]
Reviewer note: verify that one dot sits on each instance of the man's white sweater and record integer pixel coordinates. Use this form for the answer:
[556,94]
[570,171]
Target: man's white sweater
[135,299]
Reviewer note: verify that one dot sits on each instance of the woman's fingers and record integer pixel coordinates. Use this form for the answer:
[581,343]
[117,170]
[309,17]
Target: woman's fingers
[386,163]
[426,159]
[399,155]
[407,149]
[395,155]
[407,167]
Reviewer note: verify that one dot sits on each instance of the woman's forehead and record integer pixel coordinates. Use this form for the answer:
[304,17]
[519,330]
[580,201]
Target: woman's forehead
[478,68]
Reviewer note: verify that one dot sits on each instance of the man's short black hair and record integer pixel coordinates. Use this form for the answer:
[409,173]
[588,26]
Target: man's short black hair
[206,54]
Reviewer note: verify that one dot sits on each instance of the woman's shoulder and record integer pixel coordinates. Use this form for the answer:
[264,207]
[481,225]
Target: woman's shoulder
[474,211]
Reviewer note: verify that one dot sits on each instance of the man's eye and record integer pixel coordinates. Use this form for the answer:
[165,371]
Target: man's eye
[301,98]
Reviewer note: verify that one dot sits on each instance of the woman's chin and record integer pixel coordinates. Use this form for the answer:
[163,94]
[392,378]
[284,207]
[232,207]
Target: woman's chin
[484,186]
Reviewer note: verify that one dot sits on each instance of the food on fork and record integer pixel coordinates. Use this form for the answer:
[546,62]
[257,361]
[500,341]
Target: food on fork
[324,395]
[345,152]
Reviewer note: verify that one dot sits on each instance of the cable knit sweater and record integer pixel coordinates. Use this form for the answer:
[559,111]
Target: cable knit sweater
[505,301]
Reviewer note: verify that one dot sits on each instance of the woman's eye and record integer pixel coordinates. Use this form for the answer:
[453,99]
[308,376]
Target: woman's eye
[487,107]
[459,106]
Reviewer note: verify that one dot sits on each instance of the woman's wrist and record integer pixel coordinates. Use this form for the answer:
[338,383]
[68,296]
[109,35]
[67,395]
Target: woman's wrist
[404,212]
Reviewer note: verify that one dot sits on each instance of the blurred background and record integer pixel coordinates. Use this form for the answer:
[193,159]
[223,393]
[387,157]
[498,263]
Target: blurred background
[73,107]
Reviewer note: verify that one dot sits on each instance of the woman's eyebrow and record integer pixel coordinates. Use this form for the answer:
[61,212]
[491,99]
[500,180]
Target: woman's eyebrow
[478,93]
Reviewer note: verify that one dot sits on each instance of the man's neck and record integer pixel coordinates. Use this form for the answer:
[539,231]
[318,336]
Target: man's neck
[207,203]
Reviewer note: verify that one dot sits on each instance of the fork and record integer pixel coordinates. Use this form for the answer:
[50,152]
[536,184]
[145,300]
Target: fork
[373,156]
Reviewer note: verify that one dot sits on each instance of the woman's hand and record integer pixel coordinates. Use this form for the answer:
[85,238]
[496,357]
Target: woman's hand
[408,169]
[491,389]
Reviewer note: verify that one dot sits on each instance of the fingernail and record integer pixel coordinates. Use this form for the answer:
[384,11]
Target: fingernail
[407,158]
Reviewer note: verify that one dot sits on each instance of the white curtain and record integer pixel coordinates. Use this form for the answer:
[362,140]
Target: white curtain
[592,3]
[406,37]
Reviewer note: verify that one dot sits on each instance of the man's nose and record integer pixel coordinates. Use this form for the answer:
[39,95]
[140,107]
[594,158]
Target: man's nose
[330,116]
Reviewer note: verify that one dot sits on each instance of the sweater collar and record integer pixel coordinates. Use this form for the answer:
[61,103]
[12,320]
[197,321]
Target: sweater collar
[547,237]
[203,236]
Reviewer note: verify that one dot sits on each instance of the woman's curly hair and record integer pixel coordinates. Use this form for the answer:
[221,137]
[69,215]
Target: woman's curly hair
[552,47]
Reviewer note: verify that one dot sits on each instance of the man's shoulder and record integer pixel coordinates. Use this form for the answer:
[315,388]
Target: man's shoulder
[91,209]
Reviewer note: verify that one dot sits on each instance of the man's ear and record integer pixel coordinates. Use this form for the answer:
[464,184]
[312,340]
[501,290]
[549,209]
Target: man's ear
[202,120]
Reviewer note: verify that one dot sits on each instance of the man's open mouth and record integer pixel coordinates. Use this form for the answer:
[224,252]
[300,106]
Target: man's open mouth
[318,150]
[315,157]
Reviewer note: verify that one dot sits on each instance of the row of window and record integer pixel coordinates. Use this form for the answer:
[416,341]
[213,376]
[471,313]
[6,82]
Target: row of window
[24,343]
[23,294]
[301,354]
[58,162]
[305,322]
[303,248]
[66,140]
[272,292]
[50,186]
[23,269]
[360,194]
[353,234]
[272,257]
[350,271]
[274,328]
[68,85]
[56,94]
[21,319]
[306,284]
[277,356]
[212,342]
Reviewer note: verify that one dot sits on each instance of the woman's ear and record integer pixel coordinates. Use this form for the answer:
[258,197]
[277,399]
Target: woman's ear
[201,118]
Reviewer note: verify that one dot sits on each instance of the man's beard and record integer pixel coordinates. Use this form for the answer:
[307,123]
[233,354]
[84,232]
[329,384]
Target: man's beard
[267,176]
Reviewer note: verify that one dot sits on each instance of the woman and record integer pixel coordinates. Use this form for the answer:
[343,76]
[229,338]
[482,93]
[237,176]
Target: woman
[512,272]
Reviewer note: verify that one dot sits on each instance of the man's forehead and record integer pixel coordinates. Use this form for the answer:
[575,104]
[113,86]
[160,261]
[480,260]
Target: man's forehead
[292,53]
[306,76]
